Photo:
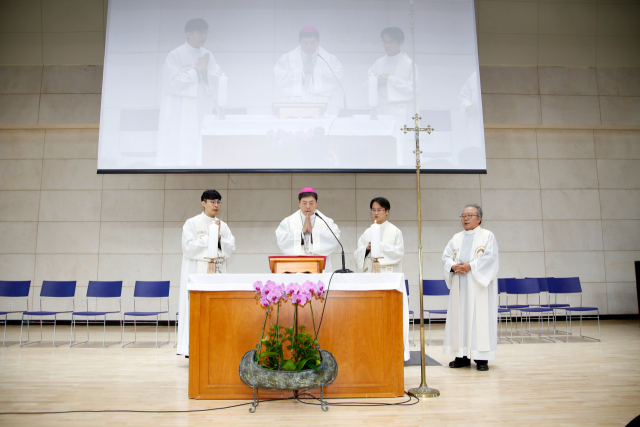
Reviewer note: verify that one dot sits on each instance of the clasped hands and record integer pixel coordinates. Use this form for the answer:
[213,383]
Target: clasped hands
[461,268]
[306,227]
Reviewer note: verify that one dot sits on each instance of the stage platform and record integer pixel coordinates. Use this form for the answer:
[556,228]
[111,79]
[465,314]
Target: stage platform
[531,384]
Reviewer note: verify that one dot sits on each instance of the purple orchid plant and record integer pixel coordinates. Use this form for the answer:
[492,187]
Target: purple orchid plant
[304,347]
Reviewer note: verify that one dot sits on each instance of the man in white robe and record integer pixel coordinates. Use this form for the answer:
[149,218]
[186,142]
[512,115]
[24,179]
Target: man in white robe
[391,242]
[190,84]
[396,87]
[309,73]
[470,270]
[303,233]
[195,248]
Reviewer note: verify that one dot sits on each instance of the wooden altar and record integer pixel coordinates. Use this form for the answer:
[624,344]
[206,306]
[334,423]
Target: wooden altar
[362,329]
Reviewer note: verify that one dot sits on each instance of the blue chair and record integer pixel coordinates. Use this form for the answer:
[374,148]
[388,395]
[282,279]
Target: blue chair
[413,316]
[156,290]
[13,289]
[50,289]
[571,285]
[530,287]
[543,283]
[434,288]
[502,290]
[97,290]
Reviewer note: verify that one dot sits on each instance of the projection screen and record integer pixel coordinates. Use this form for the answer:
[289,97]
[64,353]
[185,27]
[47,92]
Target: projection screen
[290,85]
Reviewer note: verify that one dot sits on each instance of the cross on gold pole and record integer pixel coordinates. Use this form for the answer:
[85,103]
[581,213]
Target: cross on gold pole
[424,390]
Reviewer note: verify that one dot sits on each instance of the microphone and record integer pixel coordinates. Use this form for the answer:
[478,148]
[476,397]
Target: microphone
[344,94]
[344,269]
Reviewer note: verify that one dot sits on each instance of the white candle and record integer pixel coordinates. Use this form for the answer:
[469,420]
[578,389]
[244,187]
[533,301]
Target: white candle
[222,90]
[373,91]
[213,240]
[375,240]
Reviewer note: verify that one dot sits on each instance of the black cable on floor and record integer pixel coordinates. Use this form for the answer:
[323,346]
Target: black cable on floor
[141,412]
[408,402]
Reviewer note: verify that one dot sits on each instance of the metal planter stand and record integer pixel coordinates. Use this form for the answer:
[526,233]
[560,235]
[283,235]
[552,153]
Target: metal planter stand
[257,377]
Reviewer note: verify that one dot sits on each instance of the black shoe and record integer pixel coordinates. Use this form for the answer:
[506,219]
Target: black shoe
[482,365]
[460,362]
[186,357]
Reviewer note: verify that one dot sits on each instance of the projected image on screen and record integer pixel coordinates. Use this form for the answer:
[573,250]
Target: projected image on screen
[285,85]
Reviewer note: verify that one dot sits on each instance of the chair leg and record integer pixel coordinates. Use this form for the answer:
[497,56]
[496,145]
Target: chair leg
[4,337]
[21,325]
[55,318]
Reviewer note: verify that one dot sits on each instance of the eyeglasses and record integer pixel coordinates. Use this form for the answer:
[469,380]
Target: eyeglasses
[467,216]
[378,210]
[214,202]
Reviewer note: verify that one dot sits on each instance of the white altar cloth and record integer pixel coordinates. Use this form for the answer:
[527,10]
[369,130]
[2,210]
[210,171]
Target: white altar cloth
[340,282]
[359,125]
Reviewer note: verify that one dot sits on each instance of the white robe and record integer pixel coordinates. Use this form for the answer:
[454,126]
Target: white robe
[195,247]
[289,236]
[477,295]
[322,86]
[396,98]
[186,98]
[391,250]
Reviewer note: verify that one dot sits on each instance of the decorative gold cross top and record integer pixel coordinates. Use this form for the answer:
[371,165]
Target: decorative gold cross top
[417,129]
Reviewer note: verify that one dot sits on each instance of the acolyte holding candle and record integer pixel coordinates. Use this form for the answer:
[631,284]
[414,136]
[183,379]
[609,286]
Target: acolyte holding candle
[382,240]
[203,236]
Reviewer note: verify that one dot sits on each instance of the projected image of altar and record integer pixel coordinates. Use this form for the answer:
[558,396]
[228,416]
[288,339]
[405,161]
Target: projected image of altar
[200,91]
[327,142]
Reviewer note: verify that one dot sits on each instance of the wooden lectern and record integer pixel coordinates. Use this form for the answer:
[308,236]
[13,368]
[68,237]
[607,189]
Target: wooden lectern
[282,264]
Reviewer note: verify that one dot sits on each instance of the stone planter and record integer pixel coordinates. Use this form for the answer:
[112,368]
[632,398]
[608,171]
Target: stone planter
[257,377]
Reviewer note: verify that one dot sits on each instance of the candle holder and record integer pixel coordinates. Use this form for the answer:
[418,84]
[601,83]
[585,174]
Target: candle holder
[375,267]
[214,265]
[374,114]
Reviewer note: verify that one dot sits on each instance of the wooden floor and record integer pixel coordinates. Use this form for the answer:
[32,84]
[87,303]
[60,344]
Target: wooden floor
[536,383]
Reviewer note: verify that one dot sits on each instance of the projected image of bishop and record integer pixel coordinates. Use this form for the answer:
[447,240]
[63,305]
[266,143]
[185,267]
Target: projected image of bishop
[395,87]
[190,85]
[309,73]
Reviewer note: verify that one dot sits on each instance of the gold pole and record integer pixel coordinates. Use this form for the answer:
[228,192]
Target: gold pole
[424,390]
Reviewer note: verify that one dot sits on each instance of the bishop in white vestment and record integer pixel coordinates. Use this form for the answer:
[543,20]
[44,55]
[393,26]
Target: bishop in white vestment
[309,73]
[470,270]
[391,242]
[190,84]
[195,248]
[303,233]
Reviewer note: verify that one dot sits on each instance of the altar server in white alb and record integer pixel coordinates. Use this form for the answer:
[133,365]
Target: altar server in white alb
[203,236]
[190,85]
[393,74]
[303,233]
[390,245]
[309,73]
[470,270]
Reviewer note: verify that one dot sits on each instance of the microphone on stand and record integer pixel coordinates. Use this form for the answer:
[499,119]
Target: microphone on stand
[344,269]
[344,112]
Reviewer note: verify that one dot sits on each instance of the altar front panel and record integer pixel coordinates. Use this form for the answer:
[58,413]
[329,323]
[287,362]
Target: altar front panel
[362,329]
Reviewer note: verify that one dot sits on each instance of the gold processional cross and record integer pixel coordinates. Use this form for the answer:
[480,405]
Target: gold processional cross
[424,390]
[417,129]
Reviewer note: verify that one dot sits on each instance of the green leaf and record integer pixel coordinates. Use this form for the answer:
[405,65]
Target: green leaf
[301,364]
[289,365]
[268,353]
